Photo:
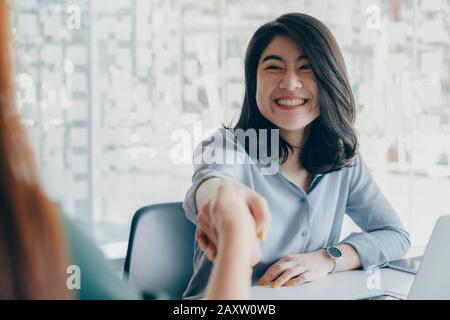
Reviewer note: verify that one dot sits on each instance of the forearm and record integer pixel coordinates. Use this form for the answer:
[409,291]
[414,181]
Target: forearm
[206,191]
[231,274]
[377,248]
[351,258]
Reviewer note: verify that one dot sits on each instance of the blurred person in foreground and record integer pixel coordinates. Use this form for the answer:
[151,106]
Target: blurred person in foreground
[38,244]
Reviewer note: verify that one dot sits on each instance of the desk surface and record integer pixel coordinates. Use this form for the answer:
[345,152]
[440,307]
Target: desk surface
[349,285]
[356,284]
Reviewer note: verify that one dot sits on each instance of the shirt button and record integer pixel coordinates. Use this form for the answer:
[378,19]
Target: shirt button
[304,233]
[303,200]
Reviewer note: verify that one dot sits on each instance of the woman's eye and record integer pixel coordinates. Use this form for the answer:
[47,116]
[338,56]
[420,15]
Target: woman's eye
[273,68]
[305,67]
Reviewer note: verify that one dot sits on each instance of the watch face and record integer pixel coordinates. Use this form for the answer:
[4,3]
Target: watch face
[334,252]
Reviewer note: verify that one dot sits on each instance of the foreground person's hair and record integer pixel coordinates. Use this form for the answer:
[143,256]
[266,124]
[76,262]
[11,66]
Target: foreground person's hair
[33,256]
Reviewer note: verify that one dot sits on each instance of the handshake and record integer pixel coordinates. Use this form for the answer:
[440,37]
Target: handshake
[231,223]
[231,212]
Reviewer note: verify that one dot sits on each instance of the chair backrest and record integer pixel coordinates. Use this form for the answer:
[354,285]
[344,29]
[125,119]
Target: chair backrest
[160,249]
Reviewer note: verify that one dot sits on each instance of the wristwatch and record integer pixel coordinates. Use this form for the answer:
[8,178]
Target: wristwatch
[335,254]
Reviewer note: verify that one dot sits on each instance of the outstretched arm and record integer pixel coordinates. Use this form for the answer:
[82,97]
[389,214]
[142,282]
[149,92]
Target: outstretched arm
[236,241]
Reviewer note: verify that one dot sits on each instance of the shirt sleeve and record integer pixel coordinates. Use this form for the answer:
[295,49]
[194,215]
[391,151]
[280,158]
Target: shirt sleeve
[219,156]
[383,237]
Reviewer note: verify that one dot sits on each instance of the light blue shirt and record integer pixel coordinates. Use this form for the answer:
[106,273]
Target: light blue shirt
[305,222]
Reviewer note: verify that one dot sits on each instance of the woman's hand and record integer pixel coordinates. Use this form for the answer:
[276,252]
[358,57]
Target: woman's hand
[228,221]
[234,205]
[296,269]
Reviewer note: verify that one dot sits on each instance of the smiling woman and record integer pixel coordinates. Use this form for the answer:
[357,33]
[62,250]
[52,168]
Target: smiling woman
[296,82]
[297,57]
[285,84]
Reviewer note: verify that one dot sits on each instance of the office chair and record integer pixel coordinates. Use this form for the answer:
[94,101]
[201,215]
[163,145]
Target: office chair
[160,250]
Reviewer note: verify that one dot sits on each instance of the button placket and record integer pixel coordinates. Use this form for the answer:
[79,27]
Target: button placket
[303,234]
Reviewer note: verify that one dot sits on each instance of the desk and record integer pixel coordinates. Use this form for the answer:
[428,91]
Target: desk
[347,285]
[341,285]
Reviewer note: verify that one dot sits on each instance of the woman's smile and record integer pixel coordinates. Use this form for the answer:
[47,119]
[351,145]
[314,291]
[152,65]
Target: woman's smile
[290,103]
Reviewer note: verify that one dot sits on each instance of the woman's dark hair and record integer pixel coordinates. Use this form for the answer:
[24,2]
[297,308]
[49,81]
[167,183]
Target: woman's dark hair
[331,139]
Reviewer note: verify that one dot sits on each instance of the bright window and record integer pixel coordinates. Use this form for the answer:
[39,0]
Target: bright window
[106,89]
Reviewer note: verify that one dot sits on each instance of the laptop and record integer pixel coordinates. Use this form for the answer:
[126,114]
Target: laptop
[432,281]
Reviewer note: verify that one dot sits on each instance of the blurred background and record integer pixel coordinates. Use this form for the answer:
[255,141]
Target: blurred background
[112,92]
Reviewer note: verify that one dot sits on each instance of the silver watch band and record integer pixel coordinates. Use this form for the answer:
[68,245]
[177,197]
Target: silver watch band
[334,266]
[337,260]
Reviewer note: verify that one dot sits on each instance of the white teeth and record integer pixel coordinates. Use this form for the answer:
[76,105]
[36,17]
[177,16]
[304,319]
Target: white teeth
[290,102]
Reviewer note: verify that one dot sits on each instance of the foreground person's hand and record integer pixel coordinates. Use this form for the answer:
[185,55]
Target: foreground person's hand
[233,203]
